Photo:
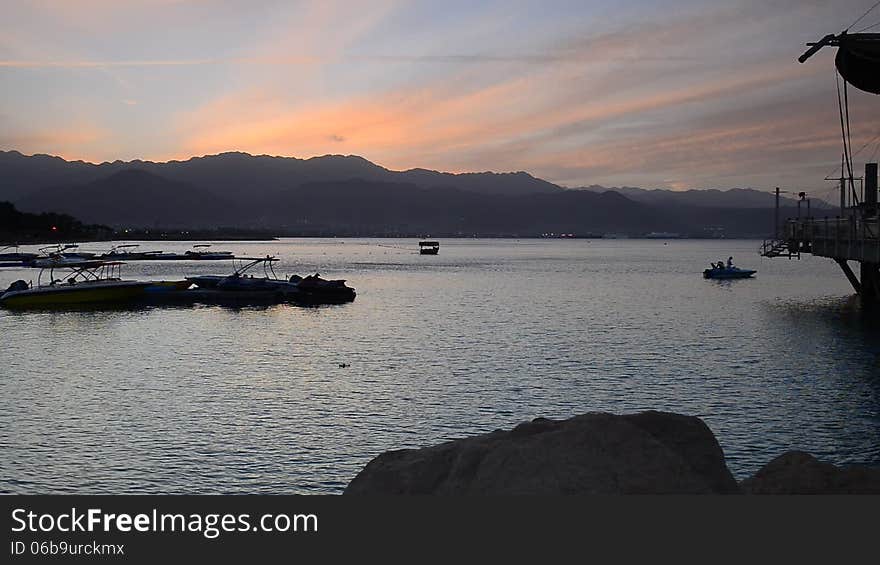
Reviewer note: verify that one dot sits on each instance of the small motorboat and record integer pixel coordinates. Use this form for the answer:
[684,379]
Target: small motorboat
[127,252]
[727,273]
[200,252]
[14,257]
[429,247]
[315,290]
[59,255]
[85,282]
[238,280]
[270,288]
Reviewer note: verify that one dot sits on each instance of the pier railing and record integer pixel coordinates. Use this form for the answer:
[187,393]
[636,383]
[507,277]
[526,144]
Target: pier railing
[851,238]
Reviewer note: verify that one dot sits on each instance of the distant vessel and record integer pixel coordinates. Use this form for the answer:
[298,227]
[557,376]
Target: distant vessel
[200,251]
[127,252]
[429,247]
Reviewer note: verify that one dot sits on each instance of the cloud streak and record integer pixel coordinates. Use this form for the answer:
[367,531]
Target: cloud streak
[683,96]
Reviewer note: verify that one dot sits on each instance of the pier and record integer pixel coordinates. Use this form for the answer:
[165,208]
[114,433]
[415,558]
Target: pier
[854,235]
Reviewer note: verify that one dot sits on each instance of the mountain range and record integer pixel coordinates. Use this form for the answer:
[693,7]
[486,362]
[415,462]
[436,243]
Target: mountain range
[351,195]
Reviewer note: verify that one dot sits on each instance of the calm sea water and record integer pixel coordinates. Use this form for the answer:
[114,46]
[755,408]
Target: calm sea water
[483,336]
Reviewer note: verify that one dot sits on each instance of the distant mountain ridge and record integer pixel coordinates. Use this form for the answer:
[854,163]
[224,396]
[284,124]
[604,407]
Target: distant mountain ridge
[706,198]
[235,175]
[135,198]
[349,194]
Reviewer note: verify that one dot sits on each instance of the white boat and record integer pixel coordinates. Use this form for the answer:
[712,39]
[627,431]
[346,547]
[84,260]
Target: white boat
[200,252]
[60,254]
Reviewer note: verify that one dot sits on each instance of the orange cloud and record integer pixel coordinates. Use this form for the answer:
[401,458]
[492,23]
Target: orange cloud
[78,141]
[431,124]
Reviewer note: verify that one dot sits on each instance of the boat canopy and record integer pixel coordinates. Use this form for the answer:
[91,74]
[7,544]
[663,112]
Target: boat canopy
[857,60]
[429,243]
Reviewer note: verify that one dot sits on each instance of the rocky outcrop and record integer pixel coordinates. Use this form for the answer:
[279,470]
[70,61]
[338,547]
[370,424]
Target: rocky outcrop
[597,453]
[797,472]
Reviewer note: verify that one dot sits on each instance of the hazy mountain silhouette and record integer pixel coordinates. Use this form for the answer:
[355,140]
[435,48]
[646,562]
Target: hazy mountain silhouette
[133,198]
[348,194]
[364,207]
[708,198]
[397,207]
[240,176]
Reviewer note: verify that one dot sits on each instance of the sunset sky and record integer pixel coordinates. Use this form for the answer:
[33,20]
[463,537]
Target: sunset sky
[672,93]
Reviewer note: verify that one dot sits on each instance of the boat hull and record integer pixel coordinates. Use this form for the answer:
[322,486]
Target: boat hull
[65,295]
[723,274]
[167,286]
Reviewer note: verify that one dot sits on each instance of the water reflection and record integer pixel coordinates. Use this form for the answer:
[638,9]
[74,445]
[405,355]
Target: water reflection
[197,398]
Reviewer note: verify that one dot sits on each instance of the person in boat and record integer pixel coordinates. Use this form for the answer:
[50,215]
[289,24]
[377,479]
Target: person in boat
[730,262]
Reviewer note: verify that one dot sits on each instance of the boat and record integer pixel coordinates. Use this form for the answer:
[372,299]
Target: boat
[728,273]
[857,59]
[200,252]
[68,251]
[241,286]
[14,258]
[82,282]
[238,278]
[127,252]
[429,247]
[60,254]
[315,290]
[167,286]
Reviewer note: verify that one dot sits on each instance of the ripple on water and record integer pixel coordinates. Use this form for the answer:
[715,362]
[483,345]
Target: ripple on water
[480,337]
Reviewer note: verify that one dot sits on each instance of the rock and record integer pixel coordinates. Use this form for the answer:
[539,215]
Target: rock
[596,453]
[796,472]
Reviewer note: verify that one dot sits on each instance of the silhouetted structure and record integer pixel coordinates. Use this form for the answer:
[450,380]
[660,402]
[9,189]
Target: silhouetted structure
[855,235]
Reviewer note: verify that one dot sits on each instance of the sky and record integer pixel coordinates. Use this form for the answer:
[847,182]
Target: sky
[673,94]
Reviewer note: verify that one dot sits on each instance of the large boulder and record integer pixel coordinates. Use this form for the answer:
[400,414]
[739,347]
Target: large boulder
[796,472]
[596,453]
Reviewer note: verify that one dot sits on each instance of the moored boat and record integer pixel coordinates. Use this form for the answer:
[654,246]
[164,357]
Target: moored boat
[60,254]
[167,286]
[127,252]
[15,257]
[200,252]
[315,290]
[241,286]
[83,282]
[240,280]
